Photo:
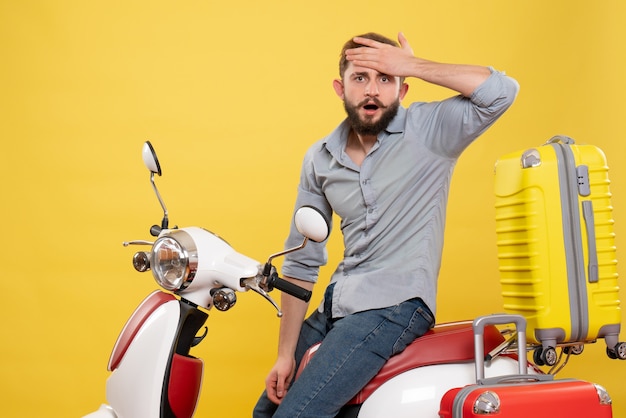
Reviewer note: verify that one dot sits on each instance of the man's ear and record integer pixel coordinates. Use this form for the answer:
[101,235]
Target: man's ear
[338,86]
[404,88]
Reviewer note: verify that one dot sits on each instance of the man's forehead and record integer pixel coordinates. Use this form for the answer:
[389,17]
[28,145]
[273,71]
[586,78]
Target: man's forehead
[358,70]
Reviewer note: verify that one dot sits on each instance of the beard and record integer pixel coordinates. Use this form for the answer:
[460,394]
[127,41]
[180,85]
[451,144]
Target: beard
[366,126]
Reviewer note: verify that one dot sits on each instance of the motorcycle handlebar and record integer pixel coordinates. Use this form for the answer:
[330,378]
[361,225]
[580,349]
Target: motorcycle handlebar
[289,288]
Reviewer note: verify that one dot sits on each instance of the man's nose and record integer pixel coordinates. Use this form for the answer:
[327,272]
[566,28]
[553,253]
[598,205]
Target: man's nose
[371,89]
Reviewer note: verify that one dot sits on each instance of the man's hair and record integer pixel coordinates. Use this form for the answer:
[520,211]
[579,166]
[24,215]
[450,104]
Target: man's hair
[343,62]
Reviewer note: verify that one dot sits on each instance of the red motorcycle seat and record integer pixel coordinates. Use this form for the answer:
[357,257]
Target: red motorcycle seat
[445,343]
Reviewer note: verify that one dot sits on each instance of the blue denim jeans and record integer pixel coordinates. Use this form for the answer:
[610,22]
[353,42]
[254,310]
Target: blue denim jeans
[353,350]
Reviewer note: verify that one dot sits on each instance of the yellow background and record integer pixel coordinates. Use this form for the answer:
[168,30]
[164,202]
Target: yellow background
[231,93]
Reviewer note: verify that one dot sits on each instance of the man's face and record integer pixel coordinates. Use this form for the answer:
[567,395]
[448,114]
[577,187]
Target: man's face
[371,99]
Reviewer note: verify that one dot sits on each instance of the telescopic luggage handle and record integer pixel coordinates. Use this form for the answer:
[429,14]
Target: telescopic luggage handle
[479,345]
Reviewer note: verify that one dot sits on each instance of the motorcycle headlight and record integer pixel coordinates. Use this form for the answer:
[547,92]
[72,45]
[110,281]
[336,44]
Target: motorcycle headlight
[174,260]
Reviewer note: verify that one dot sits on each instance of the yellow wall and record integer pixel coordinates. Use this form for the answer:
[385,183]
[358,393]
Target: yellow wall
[231,93]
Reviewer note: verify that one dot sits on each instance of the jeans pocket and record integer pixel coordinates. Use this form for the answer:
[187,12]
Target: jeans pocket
[427,315]
[420,322]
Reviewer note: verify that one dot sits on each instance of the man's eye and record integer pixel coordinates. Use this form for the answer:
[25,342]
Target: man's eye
[384,79]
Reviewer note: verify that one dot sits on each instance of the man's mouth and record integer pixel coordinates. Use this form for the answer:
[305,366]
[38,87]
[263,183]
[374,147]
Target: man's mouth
[371,106]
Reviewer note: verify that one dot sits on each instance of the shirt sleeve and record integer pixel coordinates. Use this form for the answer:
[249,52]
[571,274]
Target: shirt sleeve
[453,124]
[304,264]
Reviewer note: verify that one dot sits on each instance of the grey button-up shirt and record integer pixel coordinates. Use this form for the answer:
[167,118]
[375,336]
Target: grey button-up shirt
[392,208]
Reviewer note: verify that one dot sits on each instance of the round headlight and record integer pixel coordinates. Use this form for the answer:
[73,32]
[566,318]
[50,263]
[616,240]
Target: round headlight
[174,260]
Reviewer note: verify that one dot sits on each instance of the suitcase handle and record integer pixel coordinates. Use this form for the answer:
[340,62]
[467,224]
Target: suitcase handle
[479,345]
[592,266]
[560,138]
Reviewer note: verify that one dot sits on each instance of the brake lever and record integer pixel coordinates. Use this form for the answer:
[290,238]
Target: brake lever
[252,283]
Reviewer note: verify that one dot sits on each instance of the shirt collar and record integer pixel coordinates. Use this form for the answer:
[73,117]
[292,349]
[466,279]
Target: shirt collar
[336,140]
[396,126]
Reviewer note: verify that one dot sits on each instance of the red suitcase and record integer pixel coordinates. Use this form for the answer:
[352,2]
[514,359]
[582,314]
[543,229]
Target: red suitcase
[523,395]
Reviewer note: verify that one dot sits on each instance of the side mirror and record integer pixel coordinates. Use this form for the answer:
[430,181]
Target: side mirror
[150,159]
[311,223]
[151,162]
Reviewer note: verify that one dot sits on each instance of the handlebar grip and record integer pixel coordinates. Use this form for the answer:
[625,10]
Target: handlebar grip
[290,288]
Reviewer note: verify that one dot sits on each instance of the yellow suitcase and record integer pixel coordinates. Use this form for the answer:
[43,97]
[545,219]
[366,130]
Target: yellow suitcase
[556,246]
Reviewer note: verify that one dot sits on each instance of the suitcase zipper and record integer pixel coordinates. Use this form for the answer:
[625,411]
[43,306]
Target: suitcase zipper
[572,237]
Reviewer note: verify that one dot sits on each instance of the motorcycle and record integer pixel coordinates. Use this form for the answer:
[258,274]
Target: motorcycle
[153,373]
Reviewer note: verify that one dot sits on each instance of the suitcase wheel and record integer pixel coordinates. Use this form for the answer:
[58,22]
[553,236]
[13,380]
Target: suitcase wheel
[574,349]
[545,357]
[618,352]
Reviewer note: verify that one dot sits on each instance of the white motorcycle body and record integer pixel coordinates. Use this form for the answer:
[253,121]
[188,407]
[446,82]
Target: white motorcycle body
[152,372]
[149,379]
[140,360]
[418,392]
